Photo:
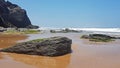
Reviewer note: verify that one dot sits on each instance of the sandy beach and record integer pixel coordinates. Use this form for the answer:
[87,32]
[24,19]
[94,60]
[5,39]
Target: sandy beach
[84,54]
[89,30]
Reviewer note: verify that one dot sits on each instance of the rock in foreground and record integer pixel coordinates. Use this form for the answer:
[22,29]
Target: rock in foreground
[54,46]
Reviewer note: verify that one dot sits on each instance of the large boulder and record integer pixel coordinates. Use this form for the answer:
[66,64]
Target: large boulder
[11,15]
[54,46]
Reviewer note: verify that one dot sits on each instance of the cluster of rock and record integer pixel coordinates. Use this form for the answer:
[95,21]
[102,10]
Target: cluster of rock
[54,46]
[66,30]
[11,15]
[99,37]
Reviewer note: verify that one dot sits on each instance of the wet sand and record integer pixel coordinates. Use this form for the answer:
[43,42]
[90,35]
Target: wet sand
[85,55]
[5,60]
[43,62]
[9,40]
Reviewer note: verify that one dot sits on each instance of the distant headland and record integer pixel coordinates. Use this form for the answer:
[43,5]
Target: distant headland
[11,15]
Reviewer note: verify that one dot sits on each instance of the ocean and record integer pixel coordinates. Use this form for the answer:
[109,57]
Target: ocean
[113,31]
[86,29]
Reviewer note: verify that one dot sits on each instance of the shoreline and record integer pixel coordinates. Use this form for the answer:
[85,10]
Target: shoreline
[83,54]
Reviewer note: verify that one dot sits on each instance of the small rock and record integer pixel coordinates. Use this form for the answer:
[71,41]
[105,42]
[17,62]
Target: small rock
[100,37]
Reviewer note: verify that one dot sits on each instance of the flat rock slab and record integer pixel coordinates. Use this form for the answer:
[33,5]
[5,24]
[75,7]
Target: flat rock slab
[54,46]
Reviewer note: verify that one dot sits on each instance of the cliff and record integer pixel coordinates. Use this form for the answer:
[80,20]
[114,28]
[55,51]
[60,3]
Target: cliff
[11,15]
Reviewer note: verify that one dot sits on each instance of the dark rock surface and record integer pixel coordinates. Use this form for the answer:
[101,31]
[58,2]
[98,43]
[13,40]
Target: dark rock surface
[99,37]
[66,30]
[54,46]
[11,15]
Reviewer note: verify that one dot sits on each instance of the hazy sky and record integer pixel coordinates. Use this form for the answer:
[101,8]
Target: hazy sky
[72,13]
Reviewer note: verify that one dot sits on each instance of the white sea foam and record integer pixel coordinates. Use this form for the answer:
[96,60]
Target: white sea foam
[86,29]
[98,29]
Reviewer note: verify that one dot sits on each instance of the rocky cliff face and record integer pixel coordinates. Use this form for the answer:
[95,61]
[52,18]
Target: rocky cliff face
[11,15]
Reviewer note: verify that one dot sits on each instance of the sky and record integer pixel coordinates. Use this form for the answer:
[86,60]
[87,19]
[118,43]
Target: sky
[72,13]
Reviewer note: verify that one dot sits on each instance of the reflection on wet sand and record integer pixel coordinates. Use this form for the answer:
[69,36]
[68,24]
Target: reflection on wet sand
[8,62]
[43,62]
[5,60]
[1,56]
[8,40]
[86,41]
[85,55]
